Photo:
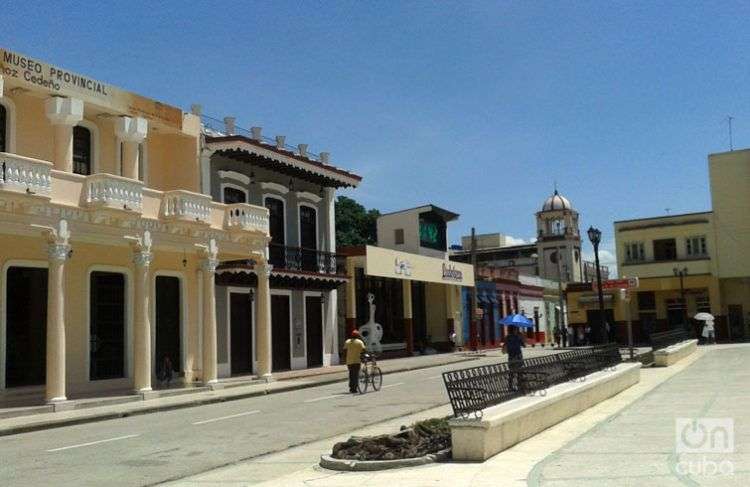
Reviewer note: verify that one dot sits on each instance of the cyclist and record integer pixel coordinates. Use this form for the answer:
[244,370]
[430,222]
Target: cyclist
[354,348]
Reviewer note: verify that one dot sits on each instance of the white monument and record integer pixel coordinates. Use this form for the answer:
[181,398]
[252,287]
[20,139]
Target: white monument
[372,332]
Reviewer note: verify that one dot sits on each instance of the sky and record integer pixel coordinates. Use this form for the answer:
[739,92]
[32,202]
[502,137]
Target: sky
[477,107]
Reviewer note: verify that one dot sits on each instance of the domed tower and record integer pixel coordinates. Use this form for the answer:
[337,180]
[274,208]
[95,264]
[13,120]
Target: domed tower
[558,240]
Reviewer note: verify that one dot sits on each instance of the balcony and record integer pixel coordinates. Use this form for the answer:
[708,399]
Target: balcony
[186,206]
[25,175]
[113,198]
[113,192]
[241,216]
[298,259]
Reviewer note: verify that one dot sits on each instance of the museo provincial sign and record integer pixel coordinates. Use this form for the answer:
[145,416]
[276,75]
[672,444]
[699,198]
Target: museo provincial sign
[36,75]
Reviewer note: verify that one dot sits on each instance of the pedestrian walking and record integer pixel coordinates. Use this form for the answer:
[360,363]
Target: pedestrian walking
[558,336]
[709,332]
[587,335]
[513,346]
[354,347]
[167,371]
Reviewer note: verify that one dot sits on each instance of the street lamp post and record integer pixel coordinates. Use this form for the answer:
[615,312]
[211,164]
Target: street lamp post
[595,236]
[681,273]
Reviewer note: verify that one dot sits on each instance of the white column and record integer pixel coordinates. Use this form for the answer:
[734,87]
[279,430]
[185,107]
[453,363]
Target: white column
[131,131]
[263,320]
[331,314]
[58,252]
[206,172]
[64,114]
[142,313]
[210,261]
[330,330]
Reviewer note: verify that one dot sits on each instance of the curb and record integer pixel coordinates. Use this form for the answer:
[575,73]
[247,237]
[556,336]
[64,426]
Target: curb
[105,416]
[327,461]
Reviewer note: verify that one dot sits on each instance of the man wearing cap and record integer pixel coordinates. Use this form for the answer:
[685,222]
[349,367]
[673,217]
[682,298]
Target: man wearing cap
[354,348]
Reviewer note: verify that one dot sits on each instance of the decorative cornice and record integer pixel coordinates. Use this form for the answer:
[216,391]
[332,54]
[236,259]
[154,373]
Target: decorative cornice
[210,253]
[279,188]
[58,239]
[306,195]
[141,245]
[234,175]
[58,252]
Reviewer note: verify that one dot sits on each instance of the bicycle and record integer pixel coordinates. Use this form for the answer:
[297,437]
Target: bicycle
[369,374]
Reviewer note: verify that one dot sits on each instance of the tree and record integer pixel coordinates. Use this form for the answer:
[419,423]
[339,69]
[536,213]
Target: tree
[355,225]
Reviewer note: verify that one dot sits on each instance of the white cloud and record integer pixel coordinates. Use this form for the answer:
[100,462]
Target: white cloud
[510,241]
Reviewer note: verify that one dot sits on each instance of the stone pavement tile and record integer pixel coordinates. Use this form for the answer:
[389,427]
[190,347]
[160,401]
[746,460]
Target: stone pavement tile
[604,465]
[615,482]
[622,444]
[739,479]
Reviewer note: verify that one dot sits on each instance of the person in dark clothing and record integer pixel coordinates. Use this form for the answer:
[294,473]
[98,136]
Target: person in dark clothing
[513,346]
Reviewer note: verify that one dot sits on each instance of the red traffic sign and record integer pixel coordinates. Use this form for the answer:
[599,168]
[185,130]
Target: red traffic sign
[628,283]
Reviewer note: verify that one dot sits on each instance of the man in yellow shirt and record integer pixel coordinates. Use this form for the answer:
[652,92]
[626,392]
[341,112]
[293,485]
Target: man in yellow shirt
[354,348]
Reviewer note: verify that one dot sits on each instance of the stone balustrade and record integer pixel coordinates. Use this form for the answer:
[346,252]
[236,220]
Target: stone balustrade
[115,192]
[241,216]
[186,206]
[24,174]
[32,177]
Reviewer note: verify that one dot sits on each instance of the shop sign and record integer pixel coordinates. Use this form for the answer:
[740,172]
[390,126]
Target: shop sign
[403,267]
[627,283]
[450,273]
[58,81]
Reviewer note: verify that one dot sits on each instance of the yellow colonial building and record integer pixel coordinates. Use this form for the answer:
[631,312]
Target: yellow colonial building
[108,249]
[686,264]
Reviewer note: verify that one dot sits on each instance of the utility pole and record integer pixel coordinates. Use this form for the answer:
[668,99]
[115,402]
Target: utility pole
[473,316]
[731,145]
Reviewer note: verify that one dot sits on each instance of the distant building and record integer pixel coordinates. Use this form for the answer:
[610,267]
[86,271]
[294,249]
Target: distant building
[686,264]
[555,255]
[416,289]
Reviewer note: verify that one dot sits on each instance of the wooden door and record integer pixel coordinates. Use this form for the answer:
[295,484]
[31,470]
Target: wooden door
[280,333]
[314,329]
[241,333]
[308,228]
[168,319]
[276,226]
[26,326]
[107,326]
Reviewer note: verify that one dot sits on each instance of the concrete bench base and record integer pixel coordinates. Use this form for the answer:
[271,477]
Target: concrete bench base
[506,424]
[674,353]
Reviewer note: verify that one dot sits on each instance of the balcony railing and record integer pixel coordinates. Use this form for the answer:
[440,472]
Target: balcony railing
[116,192]
[241,216]
[31,178]
[24,174]
[306,260]
[186,206]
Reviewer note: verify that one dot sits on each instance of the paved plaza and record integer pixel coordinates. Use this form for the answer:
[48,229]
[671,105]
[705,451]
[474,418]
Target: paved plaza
[626,440]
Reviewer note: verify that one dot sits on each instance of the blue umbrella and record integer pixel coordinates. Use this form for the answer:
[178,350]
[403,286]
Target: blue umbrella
[517,320]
